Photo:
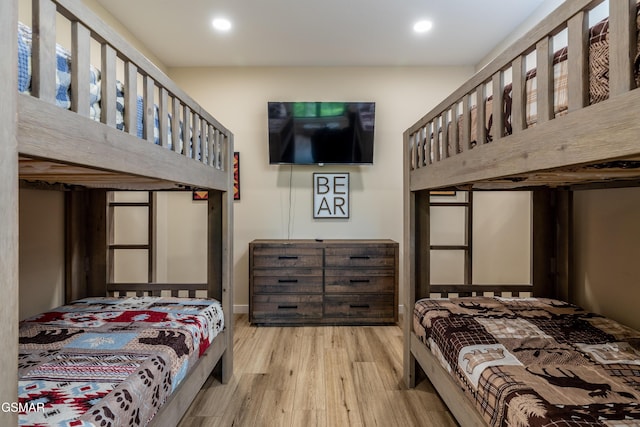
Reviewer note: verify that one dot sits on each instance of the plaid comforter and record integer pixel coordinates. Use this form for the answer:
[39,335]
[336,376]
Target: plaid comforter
[110,361]
[535,362]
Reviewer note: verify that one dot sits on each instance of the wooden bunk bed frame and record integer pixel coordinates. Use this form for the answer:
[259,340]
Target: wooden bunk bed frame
[592,146]
[50,147]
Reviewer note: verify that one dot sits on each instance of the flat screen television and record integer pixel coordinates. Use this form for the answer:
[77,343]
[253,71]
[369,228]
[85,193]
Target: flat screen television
[311,133]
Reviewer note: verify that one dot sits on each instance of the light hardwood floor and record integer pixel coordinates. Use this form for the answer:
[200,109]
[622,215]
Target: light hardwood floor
[328,376]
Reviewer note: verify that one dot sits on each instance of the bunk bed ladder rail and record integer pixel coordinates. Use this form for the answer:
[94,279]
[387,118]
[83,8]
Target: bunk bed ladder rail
[446,131]
[208,138]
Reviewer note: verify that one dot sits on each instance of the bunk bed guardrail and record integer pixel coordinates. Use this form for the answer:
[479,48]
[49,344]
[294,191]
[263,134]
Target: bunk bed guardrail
[489,110]
[147,111]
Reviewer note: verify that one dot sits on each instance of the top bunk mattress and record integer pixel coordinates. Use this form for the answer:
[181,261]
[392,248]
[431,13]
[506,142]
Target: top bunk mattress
[535,362]
[110,361]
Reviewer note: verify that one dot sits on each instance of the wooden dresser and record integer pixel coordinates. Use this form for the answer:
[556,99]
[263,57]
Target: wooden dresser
[338,282]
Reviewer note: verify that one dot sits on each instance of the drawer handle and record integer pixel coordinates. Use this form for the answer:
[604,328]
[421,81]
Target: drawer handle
[359,305]
[287,307]
[360,280]
[287,257]
[287,280]
[359,257]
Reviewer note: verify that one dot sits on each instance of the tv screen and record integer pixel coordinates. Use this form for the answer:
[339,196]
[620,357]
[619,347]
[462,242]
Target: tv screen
[308,133]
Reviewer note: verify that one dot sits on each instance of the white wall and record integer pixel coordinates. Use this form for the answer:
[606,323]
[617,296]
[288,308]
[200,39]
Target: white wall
[41,251]
[272,208]
[607,253]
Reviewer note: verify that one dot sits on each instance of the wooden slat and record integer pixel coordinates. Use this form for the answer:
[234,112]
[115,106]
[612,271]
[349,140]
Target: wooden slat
[163,111]
[481,131]
[578,36]
[125,287]
[544,77]
[186,130]
[210,146]
[435,131]
[420,144]
[129,246]
[497,127]
[148,114]
[131,98]
[518,111]
[466,288]
[196,139]
[445,134]
[175,125]
[622,39]
[80,67]
[43,79]
[108,85]
[466,124]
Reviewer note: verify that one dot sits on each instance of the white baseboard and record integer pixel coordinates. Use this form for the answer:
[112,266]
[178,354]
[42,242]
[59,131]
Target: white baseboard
[241,308]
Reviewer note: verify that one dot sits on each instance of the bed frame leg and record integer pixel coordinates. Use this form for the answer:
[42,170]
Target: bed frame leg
[226,370]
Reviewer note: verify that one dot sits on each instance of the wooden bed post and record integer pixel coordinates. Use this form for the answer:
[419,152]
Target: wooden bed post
[417,270]
[9,202]
[220,259]
[86,248]
[551,237]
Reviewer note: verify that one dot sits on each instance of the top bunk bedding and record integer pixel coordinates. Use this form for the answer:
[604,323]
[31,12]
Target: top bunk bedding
[568,119]
[103,113]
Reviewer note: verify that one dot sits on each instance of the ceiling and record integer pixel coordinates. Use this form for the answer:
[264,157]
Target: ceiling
[320,32]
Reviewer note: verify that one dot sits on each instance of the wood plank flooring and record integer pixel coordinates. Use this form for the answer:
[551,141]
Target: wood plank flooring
[326,376]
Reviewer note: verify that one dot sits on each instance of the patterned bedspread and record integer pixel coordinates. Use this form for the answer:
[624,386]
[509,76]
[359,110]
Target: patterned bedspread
[535,362]
[110,361]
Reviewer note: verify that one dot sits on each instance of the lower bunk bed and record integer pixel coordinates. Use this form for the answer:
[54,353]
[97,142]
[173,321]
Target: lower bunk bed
[528,362]
[117,360]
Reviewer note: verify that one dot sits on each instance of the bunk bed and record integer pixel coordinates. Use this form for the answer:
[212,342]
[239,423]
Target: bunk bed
[567,123]
[125,126]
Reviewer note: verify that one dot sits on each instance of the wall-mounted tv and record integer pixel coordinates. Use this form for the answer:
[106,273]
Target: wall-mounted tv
[310,133]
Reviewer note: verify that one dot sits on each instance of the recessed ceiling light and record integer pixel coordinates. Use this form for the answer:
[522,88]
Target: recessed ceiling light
[422,26]
[221,24]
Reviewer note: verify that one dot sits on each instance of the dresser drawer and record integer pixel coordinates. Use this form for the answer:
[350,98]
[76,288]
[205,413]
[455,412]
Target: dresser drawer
[372,307]
[356,281]
[287,281]
[283,257]
[365,256]
[275,307]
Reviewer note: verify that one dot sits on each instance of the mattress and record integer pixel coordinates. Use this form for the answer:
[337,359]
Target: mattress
[538,362]
[110,361]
